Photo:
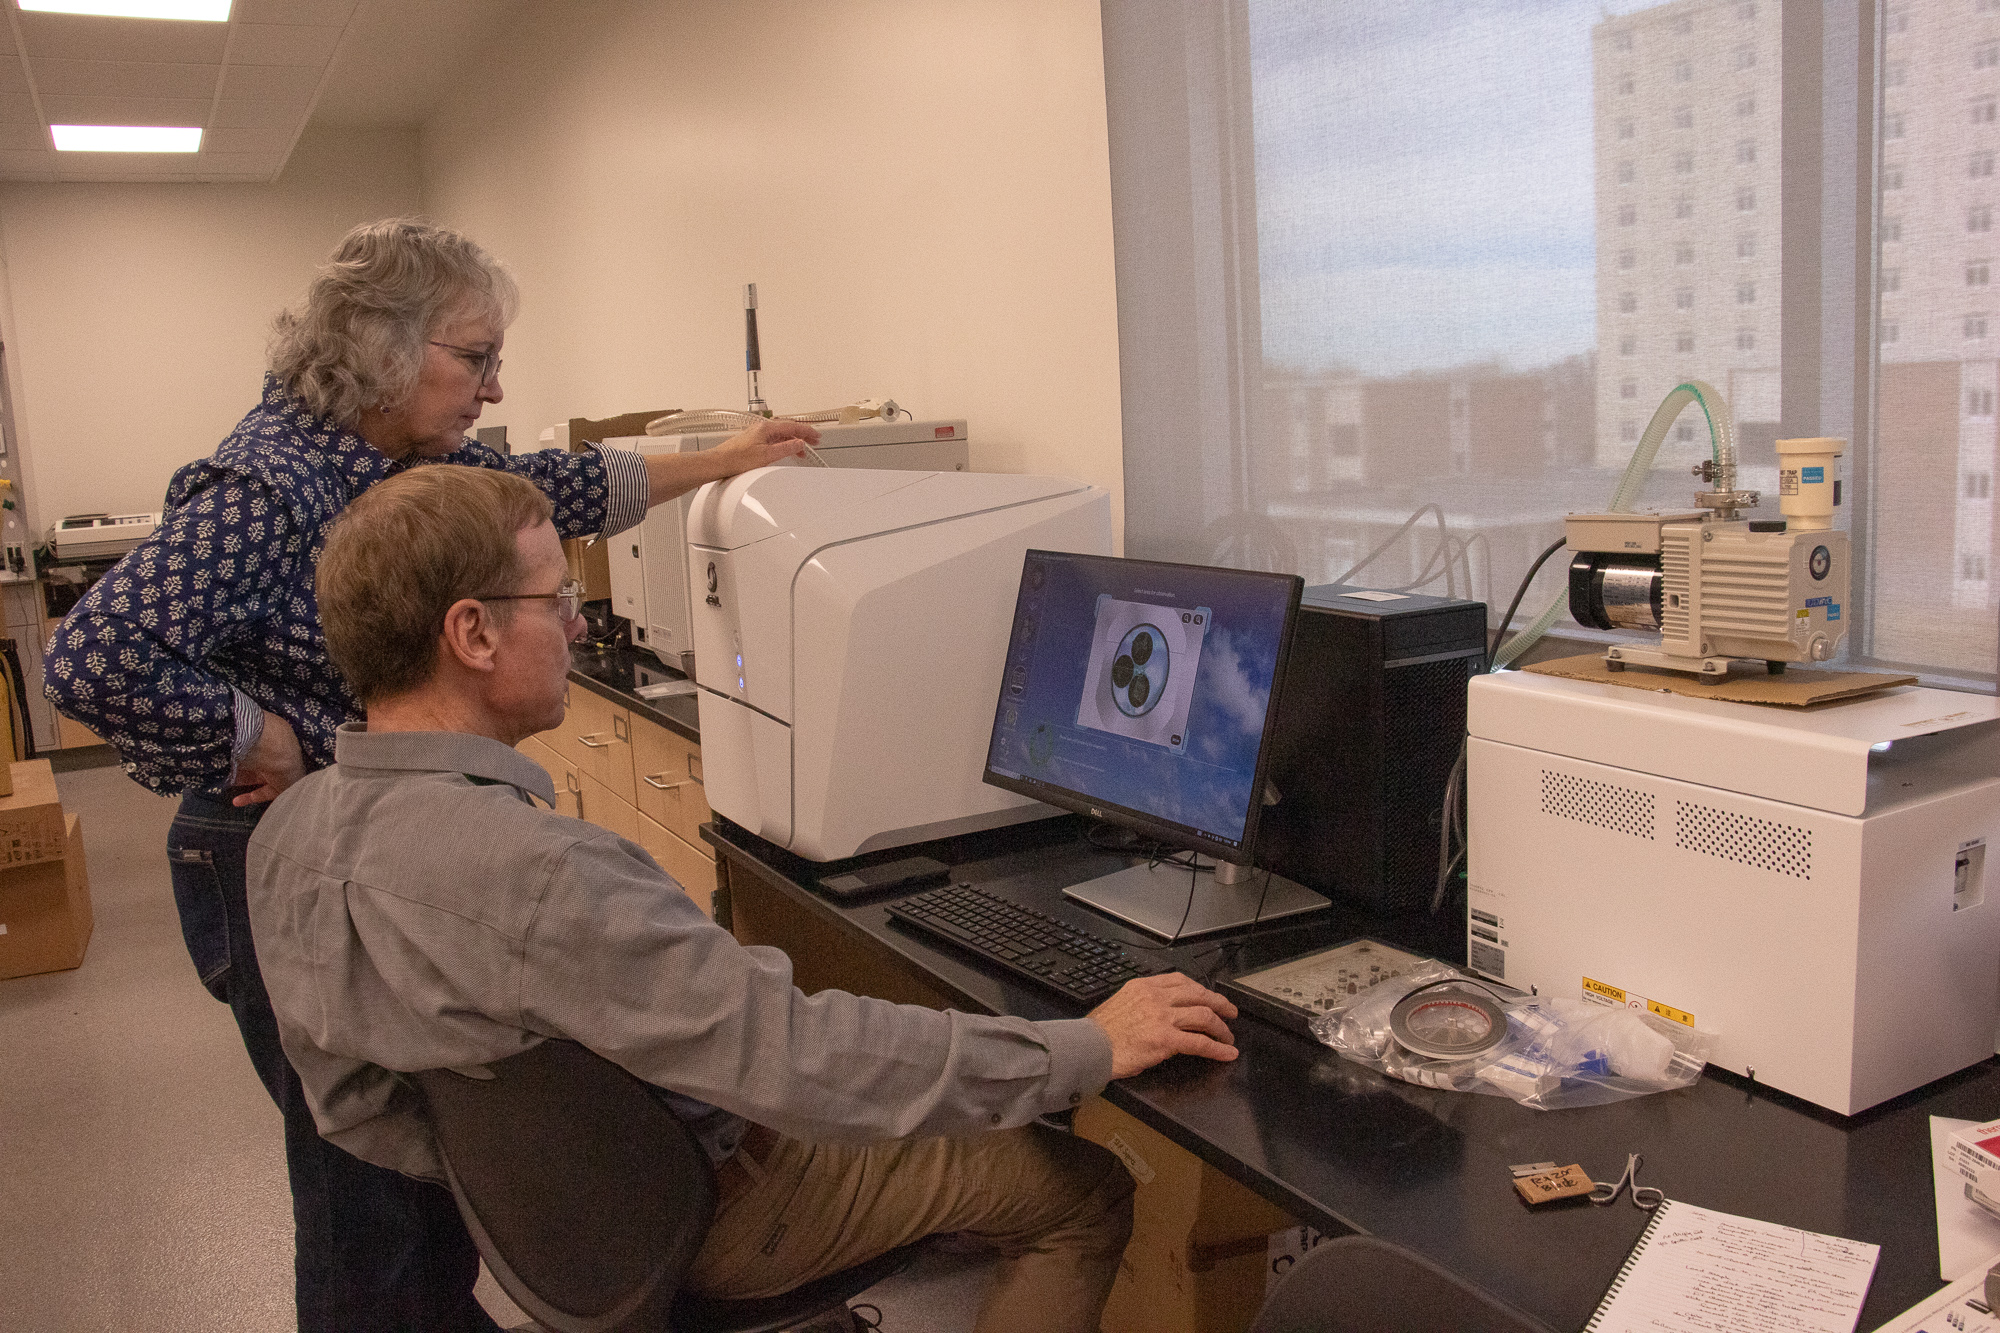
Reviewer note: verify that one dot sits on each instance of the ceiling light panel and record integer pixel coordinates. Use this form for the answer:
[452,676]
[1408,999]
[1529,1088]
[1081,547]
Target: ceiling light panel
[126,138]
[249,77]
[202,11]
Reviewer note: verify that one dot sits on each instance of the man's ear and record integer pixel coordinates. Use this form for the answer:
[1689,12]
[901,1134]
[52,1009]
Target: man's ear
[470,636]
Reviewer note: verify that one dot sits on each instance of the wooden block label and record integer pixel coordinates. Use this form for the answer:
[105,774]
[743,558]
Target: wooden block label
[1563,1183]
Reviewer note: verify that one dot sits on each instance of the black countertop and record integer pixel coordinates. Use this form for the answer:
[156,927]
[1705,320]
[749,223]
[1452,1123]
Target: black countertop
[615,672]
[1344,1148]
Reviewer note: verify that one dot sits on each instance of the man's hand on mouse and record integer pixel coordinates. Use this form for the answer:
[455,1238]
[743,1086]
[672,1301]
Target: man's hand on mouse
[1151,1018]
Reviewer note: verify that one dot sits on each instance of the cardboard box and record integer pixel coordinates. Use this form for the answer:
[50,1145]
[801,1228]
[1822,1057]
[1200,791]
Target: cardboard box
[1974,1152]
[1200,1246]
[587,559]
[31,818]
[1799,687]
[45,917]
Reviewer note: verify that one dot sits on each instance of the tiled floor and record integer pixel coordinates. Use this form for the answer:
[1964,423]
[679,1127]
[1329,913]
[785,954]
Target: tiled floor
[142,1186]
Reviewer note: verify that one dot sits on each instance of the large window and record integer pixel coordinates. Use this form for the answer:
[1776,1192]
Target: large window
[1442,261]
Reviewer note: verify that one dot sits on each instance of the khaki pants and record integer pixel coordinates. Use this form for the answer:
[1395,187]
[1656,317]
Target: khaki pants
[1057,1208]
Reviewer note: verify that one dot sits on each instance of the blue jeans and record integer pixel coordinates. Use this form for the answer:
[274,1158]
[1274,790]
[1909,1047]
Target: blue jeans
[377,1251]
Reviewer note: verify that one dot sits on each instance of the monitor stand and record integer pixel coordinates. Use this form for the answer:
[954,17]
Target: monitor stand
[1155,898]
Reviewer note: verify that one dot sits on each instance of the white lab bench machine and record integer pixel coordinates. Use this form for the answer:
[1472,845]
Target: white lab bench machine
[1810,885]
[648,564]
[850,628]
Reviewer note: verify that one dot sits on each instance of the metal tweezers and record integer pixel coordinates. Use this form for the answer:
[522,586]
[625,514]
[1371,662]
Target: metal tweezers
[1644,1197]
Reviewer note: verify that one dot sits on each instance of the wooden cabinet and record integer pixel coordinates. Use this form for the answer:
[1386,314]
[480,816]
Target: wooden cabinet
[634,777]
[602,807]
[690,864]
[562,774]
[667,769]
[596,736]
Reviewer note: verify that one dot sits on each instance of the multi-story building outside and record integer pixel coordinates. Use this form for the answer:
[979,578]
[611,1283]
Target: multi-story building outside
[1937,575]
[1686,108]
[1502,454]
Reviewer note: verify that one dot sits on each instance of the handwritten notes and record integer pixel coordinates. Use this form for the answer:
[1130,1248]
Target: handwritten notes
[1699,1271]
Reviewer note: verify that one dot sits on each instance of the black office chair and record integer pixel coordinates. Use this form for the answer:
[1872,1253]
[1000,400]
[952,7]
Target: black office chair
[588,1199]
[1358,1284]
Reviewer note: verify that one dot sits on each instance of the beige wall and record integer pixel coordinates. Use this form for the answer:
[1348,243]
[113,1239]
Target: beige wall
[919,188]
[135,338]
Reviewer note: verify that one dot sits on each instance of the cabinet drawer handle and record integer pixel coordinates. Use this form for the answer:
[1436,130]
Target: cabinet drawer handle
[653,780]
[620,728]
[570,783]
[694,773]
[592,742]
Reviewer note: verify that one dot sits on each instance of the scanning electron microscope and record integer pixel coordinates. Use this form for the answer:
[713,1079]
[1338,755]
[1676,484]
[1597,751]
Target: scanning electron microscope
[1718,587]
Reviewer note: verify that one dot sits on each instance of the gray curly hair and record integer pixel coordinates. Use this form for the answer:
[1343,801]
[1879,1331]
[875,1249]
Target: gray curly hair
[358,341]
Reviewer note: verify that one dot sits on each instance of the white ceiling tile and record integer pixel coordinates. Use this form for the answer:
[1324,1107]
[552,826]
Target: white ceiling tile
[240,164]
[321,13]
[113,78]
[125,166]
[64,109]
[13,79]
[75,37]
[7,39]
[272,140]
[282,44]
[23,139]
[28,166]
[246,114]
[290,84]
[18,107]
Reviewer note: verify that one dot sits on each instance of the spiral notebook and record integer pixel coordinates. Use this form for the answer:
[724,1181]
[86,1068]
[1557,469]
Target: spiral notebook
[1697,1269]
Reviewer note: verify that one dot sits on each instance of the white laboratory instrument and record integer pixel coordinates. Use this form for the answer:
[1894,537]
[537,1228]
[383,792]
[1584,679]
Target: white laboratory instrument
[1717,587]
[1808,885]
[100,536]
[850,628]
[649,576]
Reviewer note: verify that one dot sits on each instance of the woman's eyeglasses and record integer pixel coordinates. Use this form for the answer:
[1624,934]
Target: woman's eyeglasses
[486,363]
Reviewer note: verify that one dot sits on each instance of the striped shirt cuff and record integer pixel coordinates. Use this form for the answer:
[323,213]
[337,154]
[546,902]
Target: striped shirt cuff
[626,489]
[249,728]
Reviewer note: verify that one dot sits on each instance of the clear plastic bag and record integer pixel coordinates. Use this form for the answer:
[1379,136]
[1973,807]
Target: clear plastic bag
[1557,1053]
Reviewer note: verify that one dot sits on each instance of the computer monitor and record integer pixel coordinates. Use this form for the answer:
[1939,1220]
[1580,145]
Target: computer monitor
[1140,693]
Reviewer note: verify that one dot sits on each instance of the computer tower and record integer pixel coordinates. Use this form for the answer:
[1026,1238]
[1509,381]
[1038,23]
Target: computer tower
[1370,719]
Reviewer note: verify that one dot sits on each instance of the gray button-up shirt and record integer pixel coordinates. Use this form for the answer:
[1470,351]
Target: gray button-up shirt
[413,910]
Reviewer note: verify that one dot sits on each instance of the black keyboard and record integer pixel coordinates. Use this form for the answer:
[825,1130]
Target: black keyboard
[1028,944]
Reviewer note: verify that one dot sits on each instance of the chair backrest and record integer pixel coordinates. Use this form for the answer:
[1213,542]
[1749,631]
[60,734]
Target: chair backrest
[1358,1284]
[586,1196]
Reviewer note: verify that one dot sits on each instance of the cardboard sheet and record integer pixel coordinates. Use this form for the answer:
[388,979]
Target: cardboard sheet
[1799,687]
[1967,1233]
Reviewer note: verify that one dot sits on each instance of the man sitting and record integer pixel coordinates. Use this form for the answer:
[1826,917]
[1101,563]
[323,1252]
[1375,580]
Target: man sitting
[414,909]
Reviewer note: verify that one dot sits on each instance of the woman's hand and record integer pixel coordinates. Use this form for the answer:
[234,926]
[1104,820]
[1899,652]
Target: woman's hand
[670,475]
[763,444]
[274,763]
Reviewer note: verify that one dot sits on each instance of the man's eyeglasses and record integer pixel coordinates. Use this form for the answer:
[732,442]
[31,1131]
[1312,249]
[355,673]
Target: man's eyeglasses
[568,598]
[486,363]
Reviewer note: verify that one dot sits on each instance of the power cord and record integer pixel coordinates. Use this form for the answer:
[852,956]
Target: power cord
[1493,649]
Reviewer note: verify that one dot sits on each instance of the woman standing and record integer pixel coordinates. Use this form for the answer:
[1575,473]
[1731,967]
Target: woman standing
[200,657]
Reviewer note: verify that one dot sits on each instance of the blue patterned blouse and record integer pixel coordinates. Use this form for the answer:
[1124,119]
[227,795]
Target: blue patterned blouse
[175,653]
